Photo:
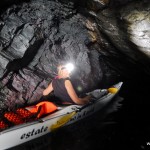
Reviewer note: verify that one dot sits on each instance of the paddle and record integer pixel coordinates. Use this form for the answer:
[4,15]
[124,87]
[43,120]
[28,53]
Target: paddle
[98,93]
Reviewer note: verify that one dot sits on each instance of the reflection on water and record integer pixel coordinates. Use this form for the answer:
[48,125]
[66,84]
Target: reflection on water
[94,132]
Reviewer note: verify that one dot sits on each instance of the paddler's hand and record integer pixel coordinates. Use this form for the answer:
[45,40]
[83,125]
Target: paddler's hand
[88,98]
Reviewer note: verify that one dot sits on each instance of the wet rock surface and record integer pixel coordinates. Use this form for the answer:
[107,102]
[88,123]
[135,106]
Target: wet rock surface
[104,39]
[66,35]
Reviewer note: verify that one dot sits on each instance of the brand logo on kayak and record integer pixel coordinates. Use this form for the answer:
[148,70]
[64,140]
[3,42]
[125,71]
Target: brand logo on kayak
[33,132]
[83,114]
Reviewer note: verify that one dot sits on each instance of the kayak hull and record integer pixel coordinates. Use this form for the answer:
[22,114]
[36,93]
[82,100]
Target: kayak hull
[65,116]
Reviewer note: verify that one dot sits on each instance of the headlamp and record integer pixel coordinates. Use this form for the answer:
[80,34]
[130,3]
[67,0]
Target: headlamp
[69,67]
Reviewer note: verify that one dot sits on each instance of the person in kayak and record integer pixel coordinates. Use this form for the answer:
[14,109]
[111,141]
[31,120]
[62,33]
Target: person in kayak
[63,88]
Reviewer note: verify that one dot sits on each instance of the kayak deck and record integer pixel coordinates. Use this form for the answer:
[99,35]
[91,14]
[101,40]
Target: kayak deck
[65,115]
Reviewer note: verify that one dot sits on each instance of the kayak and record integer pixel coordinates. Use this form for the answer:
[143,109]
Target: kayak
[63,116]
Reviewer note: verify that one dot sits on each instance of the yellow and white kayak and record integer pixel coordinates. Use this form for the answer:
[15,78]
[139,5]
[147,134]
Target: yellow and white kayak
[64,116]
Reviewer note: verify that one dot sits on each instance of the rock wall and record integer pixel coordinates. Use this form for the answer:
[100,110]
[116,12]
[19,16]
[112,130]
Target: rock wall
[104,39]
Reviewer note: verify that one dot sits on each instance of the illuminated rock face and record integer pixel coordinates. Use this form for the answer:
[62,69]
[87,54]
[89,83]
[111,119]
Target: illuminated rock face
[37,35]
[137,24]
[130,26]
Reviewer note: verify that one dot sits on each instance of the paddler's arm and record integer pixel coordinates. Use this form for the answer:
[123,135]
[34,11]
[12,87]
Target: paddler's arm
[73,94]
[48,90]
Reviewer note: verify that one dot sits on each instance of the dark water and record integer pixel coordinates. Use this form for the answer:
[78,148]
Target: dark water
[123,125]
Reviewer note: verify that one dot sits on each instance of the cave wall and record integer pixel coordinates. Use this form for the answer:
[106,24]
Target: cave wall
[104,39]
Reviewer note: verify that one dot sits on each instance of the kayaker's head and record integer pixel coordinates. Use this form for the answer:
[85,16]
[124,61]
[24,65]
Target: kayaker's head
[64,71]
